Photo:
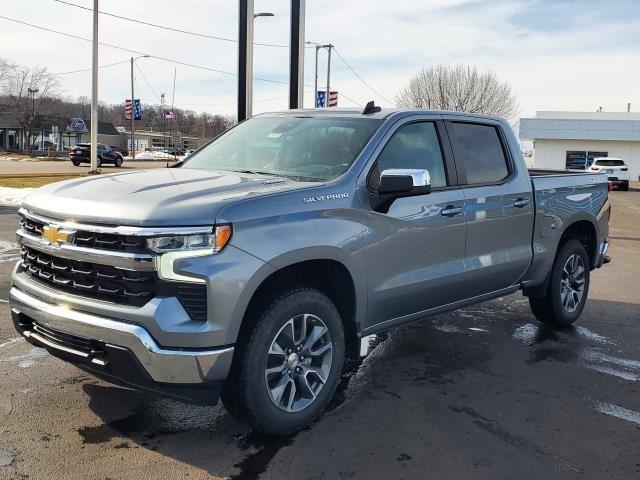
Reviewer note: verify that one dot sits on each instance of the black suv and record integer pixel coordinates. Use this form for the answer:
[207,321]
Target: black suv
[81,153]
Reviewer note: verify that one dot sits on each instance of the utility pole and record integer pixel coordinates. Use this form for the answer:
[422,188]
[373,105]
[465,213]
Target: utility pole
[326,98]
[94,93]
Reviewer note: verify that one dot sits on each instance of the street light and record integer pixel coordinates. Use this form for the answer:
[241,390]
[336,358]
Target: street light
[133,116]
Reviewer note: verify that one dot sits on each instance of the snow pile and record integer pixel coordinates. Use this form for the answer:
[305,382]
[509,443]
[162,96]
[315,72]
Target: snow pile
[155,155]
[13,196]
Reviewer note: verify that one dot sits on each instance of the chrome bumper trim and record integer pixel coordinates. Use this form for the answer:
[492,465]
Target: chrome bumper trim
[123,260]
[163,365]
[117,230]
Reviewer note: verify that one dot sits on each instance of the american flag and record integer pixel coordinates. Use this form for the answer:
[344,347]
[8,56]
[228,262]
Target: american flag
[333,98]
[137,109]
[169,115]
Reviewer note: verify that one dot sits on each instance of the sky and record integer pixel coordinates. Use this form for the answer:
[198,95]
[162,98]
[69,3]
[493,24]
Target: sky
[555,54]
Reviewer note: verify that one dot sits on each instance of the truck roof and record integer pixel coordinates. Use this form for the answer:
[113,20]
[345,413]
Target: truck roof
[383,113]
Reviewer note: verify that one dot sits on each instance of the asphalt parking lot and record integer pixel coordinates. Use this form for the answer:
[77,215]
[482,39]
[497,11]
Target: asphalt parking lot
[482,393]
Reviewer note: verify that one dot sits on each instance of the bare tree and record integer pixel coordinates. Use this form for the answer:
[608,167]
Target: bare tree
[461,89]
[27,89]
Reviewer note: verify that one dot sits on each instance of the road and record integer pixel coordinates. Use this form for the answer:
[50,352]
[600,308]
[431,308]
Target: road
[28,166]
[483,393]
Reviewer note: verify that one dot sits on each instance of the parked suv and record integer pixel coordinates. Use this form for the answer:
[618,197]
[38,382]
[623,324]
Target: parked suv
[252,268]
[81,153]
[615,168]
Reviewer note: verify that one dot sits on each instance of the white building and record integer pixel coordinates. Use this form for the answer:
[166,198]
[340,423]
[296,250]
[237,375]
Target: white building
[563,139]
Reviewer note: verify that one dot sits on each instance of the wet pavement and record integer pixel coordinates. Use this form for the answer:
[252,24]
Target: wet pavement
[481,393]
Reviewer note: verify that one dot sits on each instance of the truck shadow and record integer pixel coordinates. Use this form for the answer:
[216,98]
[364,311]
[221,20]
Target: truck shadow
[436,360]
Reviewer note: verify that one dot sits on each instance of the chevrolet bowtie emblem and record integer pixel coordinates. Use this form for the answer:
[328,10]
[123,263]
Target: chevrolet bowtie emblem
[57,236]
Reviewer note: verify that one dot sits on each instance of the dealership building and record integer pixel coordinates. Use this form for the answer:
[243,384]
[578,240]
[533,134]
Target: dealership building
[572,139]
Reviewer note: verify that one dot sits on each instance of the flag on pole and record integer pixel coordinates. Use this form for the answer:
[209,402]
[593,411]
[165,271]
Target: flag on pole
[169,115]
[137,109]
[321,96]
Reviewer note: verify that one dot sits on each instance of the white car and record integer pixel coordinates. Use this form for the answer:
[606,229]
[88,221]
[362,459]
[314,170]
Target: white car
[615,168]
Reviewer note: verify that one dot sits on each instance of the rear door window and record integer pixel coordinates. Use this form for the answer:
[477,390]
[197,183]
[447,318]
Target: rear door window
[479,149]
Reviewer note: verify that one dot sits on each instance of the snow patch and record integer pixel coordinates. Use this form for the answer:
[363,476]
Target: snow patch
[13,197]
[618,412]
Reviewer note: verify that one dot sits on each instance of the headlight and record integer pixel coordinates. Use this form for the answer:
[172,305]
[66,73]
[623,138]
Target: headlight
[176,247]
[213,242]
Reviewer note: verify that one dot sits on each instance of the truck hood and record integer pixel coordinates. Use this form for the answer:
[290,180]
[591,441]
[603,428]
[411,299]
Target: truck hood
[158,197]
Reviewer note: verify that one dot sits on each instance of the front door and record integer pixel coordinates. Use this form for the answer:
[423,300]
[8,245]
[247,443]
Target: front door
[419,259]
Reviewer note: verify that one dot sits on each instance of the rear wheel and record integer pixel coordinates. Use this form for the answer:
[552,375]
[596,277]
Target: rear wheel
[288,368]
[568,287]
[118,162]
[625,187]
[76,163]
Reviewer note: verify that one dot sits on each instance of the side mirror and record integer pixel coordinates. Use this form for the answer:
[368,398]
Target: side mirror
[400,183]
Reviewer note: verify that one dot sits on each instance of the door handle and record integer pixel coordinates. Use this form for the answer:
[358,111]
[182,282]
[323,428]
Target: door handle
[521,202]
[451,211]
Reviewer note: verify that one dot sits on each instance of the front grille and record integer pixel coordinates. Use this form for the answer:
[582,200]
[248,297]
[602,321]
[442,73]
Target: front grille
[90,280]
[112,284]
[85,238]
[65,339]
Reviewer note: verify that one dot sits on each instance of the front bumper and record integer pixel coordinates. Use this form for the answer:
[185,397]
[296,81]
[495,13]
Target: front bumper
[110,347]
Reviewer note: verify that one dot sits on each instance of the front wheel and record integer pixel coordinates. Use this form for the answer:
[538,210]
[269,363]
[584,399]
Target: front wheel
[76,163]
[568,287]
[288,368]
[118,162]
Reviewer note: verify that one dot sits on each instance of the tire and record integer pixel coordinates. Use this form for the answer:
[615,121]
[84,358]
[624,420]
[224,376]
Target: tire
[564,301]
[99,162]
[76,163]
[266,400]
[625,187]
[118,162]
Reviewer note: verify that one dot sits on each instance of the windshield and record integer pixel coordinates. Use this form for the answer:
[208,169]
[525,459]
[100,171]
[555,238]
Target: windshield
[302,148]
[610,163]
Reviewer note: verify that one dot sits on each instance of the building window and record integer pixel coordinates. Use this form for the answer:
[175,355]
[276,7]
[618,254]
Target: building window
[581,160]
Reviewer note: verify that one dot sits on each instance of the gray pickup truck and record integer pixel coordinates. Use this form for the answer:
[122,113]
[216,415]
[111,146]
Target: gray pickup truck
[250,270]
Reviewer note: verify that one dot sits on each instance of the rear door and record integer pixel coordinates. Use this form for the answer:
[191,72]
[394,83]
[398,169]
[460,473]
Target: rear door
[419,258]
[499,204]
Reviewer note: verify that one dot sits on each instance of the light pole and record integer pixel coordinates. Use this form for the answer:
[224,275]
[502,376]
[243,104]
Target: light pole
[32,92]
[246,17]
[133,110]
[94,93]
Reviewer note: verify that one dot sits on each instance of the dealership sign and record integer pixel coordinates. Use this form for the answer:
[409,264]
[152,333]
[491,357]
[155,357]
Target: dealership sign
[77,125]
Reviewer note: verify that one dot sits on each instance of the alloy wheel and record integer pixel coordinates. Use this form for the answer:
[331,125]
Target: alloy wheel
[572,283]
[298,362]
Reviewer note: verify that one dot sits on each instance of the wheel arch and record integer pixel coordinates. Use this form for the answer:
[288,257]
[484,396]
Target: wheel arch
[325,273]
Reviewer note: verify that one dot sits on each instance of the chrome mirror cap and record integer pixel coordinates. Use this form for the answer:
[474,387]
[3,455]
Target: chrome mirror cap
[420,178]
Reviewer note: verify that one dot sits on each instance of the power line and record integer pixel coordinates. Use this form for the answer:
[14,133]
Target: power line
[89,69]
[360,78]
[170,60]
[164,27]
[147,82]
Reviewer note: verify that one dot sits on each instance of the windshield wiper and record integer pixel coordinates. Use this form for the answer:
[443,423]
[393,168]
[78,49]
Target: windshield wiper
[257,172]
